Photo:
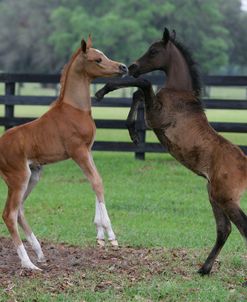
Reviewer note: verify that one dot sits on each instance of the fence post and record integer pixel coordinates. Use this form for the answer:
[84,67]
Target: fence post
[9,109]
[141,130]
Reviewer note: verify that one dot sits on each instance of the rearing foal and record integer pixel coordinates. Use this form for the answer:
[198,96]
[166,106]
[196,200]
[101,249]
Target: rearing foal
[67,130]
[176,116]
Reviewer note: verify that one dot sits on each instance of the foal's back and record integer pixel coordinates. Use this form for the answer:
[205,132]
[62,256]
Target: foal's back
[49,138]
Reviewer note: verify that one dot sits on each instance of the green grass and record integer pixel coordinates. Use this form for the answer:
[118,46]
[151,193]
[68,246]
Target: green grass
[152,203]
[143,193]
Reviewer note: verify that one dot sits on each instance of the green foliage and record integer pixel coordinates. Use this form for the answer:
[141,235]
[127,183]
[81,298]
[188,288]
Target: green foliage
[40,36]
[236,23]
[139,23]
[24,30]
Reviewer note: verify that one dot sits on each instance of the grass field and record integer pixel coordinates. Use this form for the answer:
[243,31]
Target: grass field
[156,203]
[152,203]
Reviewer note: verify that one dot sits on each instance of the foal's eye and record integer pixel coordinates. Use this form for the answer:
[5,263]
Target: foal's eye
[153,52]
[98,61]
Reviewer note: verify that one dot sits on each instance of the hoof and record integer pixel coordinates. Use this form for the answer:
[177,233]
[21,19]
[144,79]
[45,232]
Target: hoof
[101,242]
[114,243]
[203,271]
[41,259]
[244,284]
[136,140]
[30,266]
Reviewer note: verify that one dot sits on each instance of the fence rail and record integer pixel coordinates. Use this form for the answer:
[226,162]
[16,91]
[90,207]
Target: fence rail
[9,100]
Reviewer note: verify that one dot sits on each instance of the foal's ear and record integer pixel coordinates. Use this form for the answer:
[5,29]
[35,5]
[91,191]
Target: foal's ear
[89,41]
[166,36]
[173,36]
[83,46]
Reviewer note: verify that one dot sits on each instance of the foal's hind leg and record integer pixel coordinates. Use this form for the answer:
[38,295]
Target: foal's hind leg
[17,185]
[31,238]
[223,225]
[238,217]
[83,158]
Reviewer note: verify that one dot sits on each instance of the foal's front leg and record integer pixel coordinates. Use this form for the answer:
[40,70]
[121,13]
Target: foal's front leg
[144,93]
[83,157]
[138,97]
[141,83]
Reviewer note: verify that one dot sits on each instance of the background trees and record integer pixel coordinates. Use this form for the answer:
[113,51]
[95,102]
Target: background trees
[39,36]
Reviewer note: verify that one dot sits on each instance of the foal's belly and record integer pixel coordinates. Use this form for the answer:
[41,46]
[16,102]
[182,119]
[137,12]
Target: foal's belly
[44,159]
[190,156]
[42,155]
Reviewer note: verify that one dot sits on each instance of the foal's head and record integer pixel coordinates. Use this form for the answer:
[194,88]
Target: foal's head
[157,57]
[172,57]
[95,63]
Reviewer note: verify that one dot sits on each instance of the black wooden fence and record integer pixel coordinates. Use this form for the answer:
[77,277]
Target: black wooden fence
[9,100]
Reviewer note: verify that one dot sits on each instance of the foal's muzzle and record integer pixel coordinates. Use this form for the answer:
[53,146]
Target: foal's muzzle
[123,68]
[133,70]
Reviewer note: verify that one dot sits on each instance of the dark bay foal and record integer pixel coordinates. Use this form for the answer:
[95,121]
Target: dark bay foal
[176,116]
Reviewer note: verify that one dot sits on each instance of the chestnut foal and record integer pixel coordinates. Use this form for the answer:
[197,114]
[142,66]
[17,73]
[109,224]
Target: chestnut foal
[67,130]
[176,116]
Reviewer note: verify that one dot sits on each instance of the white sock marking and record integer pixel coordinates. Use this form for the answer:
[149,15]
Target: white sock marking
[25,260]
[102,221]
[35,246]
[97,221]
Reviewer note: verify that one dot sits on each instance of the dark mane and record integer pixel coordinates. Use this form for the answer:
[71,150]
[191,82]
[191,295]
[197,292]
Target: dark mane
[192,65]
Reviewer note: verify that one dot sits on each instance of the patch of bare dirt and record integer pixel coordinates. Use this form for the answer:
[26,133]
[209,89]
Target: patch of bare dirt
[63,259]
[69,266]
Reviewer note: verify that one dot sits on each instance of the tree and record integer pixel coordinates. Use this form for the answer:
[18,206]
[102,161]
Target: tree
[236,22]
[24,28]
[130,26]
[40,36]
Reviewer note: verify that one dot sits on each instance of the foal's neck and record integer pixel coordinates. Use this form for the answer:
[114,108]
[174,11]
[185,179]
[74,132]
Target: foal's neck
[75,89]
[77,92]
[178,75]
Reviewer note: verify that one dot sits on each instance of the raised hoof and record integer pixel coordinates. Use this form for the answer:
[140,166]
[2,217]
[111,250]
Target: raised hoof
[136,140]
[203,272]
[99,95]
[134,137]
[114,243]
[101,242]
